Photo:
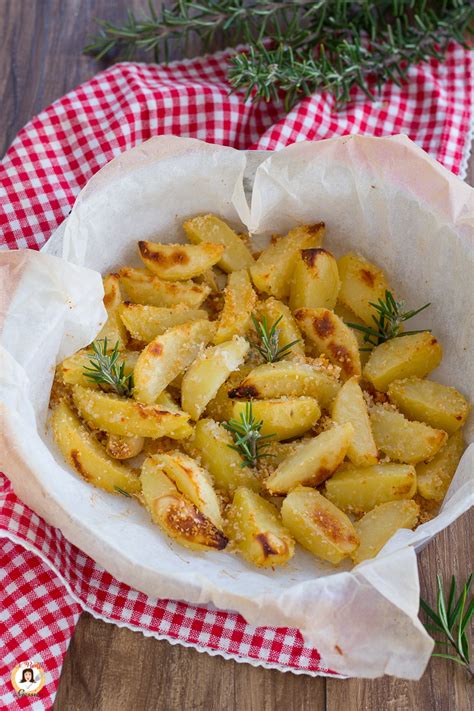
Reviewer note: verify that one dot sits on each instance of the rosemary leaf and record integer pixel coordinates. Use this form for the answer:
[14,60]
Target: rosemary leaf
[121,491]
[452,619]
[248,441]
[388,319]
[106,370]
[296,48]
[269,340]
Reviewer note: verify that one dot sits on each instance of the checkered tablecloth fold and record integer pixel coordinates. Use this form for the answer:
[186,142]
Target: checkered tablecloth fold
[45,580]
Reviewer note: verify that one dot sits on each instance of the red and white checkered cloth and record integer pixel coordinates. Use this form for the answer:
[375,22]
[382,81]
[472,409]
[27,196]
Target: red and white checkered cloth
[46,581]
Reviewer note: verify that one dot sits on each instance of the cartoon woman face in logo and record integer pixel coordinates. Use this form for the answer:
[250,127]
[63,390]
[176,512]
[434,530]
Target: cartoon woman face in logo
[27,680]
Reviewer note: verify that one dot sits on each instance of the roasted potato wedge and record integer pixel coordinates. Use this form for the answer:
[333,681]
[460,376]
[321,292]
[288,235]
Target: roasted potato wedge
[83,452]
[225,465]
[434,477]
[331,336]
[167,356]
[144,323]
[165,399]
[179,518]
[128,418]
[220,407]
[348,317]
[209,228]
[239,302]
[193,481]
[120,447]
[438,405]
[379,525]
[178,262]
[288,331]
[312,463]
[358,490]
[318,525]
[287,379]
[349,406]
[143,287]
[282,418]
[256,532]
[113,329]
[208,372]
[413,355]
[272,271]
[404,440]
[315,282]
[72,371]
[361,283]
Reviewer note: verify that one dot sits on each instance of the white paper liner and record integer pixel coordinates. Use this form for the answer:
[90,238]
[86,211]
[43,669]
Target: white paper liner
[381,196]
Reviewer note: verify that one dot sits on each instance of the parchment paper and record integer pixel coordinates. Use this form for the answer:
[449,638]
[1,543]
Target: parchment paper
[383,197]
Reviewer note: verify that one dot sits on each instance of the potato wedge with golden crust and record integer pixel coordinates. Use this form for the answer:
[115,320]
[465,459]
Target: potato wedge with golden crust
[144,323]
[288,331]
[120,447]
[209,228]
[359,489]
[128,418]
[71,370]
[220,407]
[167,356]
[361,283]
[179,262]
[315,282]
[426,401]
[213,443]
[313,462]
[165,399]
[179,518]
[239,303]
[285,418]
[113,329]
[84,453]
[349,406]
[318,525]
[143,287]
[272,271]
[379,525]
[434,477]
[348,317]
[331,336]
[208,372]
[416,354]
[193,481]
[404,440]
[287,379]
[256,532]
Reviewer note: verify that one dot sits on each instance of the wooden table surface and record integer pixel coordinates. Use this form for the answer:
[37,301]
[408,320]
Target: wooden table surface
[112,669]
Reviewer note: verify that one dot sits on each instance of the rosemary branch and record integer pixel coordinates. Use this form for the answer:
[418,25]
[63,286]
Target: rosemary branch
[451,619]
[388,321]
[296,48]
[106,370]
[248,441]
[269,340]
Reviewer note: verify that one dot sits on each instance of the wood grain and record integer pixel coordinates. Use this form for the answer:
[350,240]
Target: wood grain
[113,669]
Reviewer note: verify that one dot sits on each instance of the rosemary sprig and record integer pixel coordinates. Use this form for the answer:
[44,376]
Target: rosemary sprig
[451,619]
[105,369]
[248,441]
[296,48]
[269,337]
[390,316]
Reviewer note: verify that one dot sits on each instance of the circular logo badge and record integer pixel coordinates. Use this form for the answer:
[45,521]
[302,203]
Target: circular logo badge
[27,678]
